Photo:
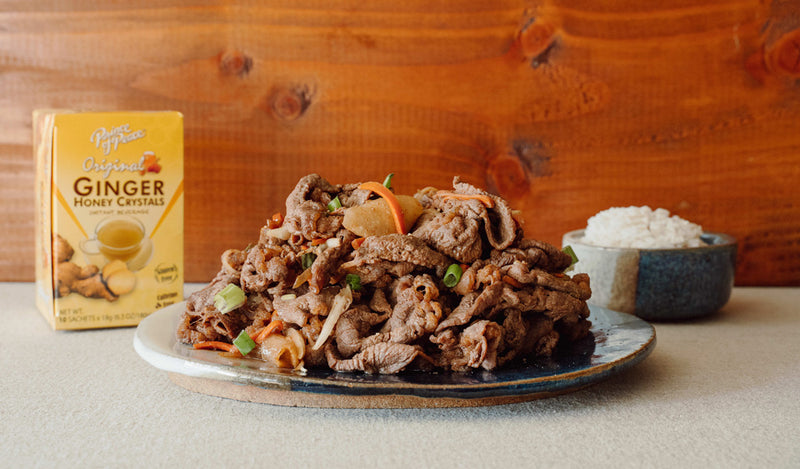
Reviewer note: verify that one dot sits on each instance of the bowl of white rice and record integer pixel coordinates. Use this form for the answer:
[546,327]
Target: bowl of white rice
[653,264]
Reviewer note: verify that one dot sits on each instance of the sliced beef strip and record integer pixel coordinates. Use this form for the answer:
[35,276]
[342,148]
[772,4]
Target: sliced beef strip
[572,328]
[553,304]
[307,208]
[400,248]
[232,261]
[329,261]
[394,255]
[209,324]
[473,305]
[187,331]
[499,225]
[527,336]
[426,196]
[353,326]
[259,308]
[382,357]
[476,346]
[263,268]
[577,286]
[350,195]
[502,229]
[379,273]
[451,234]
[311,332]
[515,327]
[299,310]
[201,320]
[204,297]
[416,311]
[547,344]
[379,303]
[534,254]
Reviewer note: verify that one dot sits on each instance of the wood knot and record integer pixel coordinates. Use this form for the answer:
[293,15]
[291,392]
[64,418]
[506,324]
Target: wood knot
[781,58]
[785,54]
[289,104]
[510,173]
[536,37]
[535,41]
[234,62]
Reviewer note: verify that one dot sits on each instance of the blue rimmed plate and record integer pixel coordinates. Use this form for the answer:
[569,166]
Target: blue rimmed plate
[618,341]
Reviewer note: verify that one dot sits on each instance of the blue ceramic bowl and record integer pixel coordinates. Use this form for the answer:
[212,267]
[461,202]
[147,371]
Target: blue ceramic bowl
[659,284]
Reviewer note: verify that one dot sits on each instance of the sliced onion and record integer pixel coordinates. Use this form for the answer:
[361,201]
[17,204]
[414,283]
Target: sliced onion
[333,242]
[299,342]
[280,233]
[302,278]
[279,350]
[341,302]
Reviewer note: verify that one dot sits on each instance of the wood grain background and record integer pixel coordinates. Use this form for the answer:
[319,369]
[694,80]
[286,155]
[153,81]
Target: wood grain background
[564,107]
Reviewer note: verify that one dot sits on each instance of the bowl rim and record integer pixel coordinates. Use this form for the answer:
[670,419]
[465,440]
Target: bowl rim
[722,240]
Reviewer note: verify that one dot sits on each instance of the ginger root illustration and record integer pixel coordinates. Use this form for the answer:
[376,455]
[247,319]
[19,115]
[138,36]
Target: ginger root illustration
[113,281]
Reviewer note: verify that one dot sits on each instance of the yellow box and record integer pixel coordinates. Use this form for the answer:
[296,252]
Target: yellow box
[110,222]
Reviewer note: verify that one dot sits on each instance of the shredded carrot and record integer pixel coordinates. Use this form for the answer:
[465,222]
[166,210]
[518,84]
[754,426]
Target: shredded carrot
[275,221]
[356,243]
[484,199]
[275,326]
[391,200]
[512,281]
[318,241]
[559,275]
[464,267]
[213,345]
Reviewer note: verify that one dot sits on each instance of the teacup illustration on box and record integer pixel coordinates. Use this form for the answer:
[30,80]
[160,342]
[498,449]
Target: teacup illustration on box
[120,238]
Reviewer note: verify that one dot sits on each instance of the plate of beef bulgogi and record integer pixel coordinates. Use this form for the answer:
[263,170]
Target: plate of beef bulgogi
[355,296]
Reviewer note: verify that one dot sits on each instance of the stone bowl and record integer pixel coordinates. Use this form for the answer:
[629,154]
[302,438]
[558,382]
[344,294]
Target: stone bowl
[659,284]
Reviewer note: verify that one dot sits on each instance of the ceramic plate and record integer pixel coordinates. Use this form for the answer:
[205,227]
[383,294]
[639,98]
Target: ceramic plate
[618,341]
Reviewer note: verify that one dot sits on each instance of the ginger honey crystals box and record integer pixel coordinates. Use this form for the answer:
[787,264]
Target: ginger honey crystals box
[110,219]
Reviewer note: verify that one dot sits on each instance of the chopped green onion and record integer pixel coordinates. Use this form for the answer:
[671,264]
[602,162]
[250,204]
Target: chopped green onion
[229,298]
[334,204]
[568,250]
[307,259]
[452,276]
[354,281]
[388,181]
[244,343]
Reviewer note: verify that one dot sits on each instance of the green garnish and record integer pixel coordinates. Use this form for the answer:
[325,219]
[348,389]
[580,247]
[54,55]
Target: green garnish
[354,281]
[568,250]
[229,298]
[244,343]
[334,204]
[307,259]
[388,181]
[452,275]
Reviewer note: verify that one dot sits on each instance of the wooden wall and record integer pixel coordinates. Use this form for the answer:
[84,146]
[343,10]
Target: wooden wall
[564,107]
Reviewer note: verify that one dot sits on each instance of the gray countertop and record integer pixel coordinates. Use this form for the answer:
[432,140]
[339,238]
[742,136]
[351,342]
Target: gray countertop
[717,392]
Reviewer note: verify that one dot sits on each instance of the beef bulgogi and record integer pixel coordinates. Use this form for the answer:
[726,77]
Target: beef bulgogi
[355,278]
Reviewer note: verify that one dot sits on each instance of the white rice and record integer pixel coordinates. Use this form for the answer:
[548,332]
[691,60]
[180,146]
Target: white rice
[641,227]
